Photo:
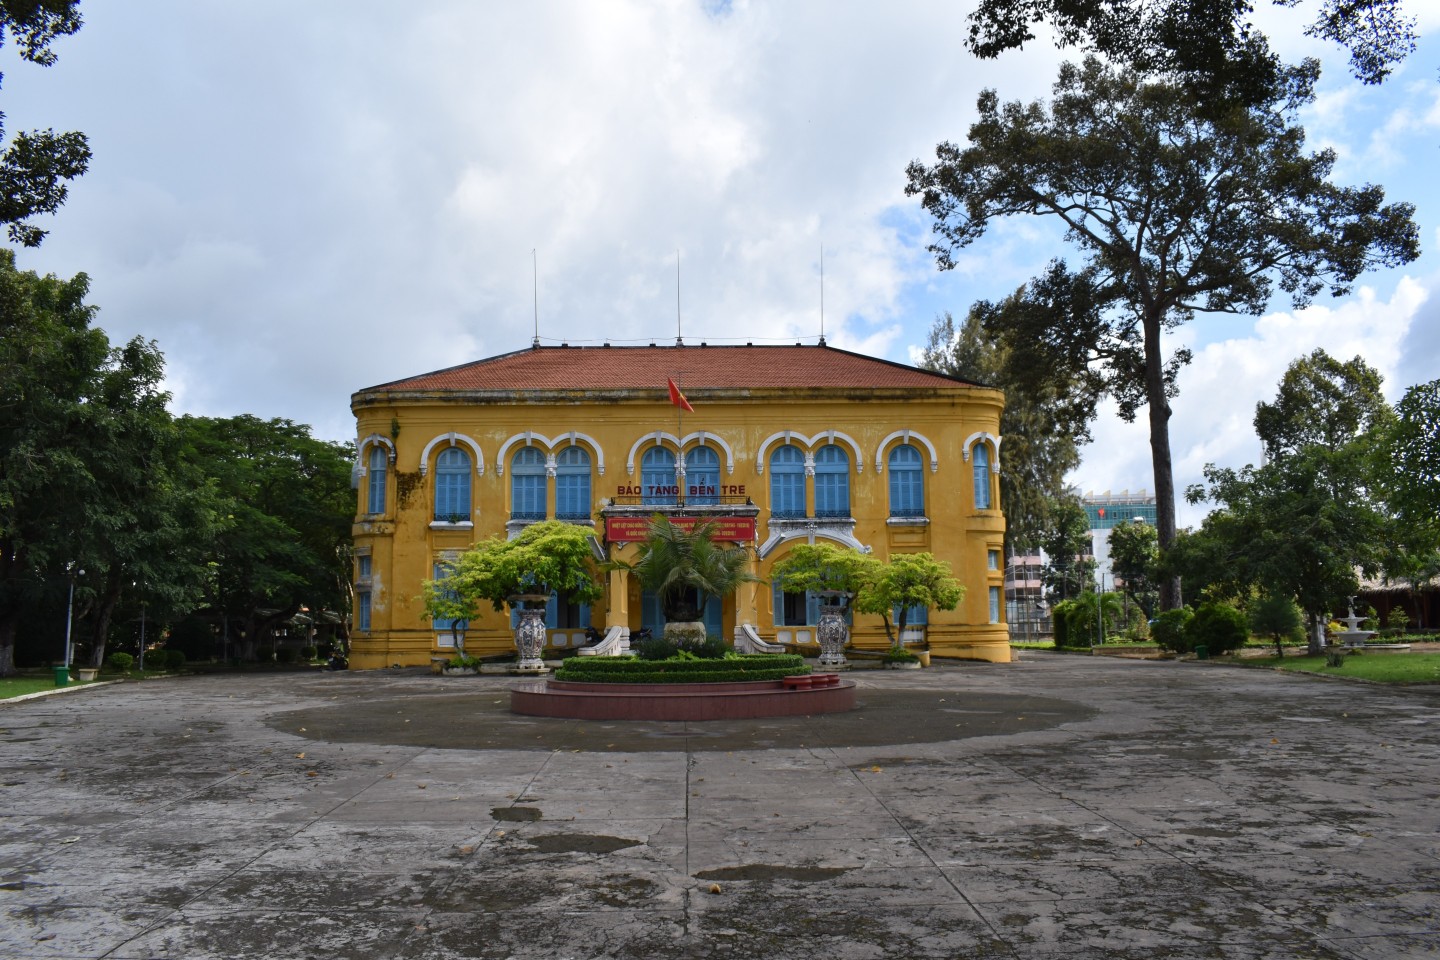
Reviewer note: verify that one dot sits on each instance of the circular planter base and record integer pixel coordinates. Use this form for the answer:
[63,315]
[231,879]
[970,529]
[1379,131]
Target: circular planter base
[678,701]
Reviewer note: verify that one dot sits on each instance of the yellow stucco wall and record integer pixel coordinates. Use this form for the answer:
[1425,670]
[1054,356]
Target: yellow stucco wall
[403,542]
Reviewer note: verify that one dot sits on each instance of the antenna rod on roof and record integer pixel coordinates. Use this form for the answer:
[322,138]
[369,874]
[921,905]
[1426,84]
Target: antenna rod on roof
[678,341]
[535,280]
[822,294]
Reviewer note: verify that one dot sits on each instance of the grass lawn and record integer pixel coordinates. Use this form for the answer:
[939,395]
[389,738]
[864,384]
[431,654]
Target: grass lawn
[1033,644]
[1380,667]
[19,686]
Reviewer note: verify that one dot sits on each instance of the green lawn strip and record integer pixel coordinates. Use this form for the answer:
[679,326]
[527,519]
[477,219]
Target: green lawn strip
[1377,667]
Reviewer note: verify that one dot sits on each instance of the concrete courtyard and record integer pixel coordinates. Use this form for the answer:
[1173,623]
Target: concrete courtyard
[1057,807]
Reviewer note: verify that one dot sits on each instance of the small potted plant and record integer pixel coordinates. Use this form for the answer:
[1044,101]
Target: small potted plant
[462,665]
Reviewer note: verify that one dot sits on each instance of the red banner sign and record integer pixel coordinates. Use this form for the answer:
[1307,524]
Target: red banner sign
[631,529]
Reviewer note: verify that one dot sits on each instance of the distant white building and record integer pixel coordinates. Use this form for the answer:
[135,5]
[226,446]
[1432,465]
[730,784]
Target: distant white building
[1105,510]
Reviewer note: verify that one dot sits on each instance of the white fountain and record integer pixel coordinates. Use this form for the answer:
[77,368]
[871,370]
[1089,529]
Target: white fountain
[1354,636]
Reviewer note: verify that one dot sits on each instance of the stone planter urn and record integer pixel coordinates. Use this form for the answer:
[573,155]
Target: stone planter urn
[530,634]
[832,631]
[86,674]
[686,634]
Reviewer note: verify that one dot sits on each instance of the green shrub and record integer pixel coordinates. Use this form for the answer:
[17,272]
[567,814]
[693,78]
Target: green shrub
[463,660]
[1218,627]
[661,648]
[1168,630]
[307,653]
[655,648]
[284,655]
[899,655]
[1060,616]
[120,662]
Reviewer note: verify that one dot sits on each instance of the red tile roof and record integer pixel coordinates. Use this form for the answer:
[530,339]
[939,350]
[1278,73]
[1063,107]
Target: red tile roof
[693,367]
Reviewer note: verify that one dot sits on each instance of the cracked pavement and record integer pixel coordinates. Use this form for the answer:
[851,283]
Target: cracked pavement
[1058,807]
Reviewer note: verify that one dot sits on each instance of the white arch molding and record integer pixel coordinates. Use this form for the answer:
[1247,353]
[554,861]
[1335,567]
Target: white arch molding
[451,439]
[809,532]
[905,436]
[530,438]
[659,438]
[703,438]
[990,438]
[807,443]
[362,465]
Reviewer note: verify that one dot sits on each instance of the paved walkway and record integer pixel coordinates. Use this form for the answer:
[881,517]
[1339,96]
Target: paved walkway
[1060,807]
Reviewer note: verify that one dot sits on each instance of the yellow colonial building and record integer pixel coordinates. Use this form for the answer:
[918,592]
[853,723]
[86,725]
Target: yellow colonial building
[784,445]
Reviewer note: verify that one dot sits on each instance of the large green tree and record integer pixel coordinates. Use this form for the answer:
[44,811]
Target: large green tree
[36,165]
[1069,567]
[285,507]
[1178,212]
[1302,524]
[1134,553]
[1045,420]
[50,361]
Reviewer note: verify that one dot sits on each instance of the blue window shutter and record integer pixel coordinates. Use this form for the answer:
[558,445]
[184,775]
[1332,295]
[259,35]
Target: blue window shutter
[787,482]
[657,476]
[832,482]
[779,599]
[702,476]
[981,476]
[552,609]
[572,484]
[528,484]
[907,485]
[452,485]
[812,608]
[378,469]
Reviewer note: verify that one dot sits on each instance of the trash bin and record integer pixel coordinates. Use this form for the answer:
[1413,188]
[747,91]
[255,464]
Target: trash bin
[62,676]
[1202,652]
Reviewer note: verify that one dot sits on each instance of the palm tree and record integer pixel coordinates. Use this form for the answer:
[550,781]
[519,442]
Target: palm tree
[685,567]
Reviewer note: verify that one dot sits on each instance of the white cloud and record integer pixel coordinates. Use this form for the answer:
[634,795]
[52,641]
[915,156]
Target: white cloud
[1212,419]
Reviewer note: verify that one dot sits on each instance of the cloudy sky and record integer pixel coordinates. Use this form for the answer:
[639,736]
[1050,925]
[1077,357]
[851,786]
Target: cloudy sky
[297,200]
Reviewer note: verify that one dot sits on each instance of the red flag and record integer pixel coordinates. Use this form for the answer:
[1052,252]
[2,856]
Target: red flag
[678,398]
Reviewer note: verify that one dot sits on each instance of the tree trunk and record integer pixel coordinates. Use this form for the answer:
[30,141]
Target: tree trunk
[1159,412]
[7,643]
[104,613]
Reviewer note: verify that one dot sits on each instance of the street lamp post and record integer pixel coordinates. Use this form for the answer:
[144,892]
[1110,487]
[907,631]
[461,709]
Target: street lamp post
[70,609]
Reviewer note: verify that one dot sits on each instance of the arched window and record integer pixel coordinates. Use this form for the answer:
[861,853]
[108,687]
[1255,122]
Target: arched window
[907,482]
[527,485]
[981,459]
[375,502]
[832,482]
[657,477]
[702,476]
[572,484]
[452,485]
[787,482]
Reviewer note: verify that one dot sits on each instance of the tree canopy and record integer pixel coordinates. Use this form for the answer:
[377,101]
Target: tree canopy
[36,165]
[550,555]
[909,580]
[1213,47]
[826,567]
[1302,524]
[1069,564]
[1177,213]
[1045,420]
[1134,553]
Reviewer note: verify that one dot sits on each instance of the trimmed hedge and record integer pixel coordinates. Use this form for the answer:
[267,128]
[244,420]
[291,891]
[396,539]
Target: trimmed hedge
[630,670]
